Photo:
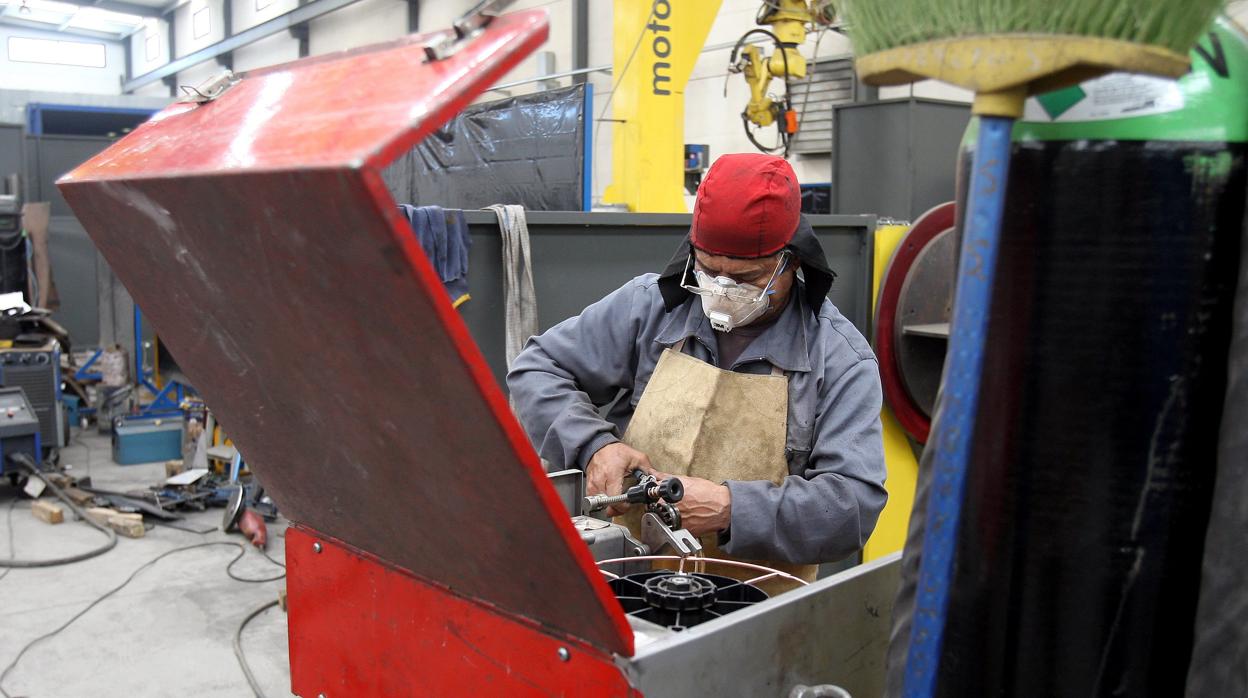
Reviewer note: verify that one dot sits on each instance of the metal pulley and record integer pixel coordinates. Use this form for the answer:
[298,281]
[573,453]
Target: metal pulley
[912,318]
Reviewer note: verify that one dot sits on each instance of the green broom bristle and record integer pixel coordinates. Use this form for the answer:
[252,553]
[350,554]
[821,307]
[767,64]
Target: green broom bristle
[876,25]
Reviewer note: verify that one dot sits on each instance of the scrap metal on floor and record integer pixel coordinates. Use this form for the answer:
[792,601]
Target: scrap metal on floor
[170,631]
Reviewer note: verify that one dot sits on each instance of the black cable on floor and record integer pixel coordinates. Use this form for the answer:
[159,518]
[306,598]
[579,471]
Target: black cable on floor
[241,551]
[238,647]
[229,569]
[26,462]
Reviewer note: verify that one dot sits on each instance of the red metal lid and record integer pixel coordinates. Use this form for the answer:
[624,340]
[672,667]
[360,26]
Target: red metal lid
[256,233]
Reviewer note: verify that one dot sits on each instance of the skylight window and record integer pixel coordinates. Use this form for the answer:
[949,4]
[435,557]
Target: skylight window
[79,53]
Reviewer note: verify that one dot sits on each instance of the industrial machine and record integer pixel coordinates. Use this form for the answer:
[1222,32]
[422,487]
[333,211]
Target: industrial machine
[19,430]
[432,556]
[789,21]
[656,44]
[37,370]
[10,205]
[13,272]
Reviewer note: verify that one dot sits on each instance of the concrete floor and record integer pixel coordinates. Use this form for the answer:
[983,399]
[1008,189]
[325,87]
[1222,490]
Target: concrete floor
[168,633]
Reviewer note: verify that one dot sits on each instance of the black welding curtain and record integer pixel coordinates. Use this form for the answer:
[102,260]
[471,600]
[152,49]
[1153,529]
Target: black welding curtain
[526,150]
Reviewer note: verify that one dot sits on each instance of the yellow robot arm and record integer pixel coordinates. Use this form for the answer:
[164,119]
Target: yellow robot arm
[788,21]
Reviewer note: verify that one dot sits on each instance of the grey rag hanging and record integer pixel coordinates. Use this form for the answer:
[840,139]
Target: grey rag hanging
[519,299]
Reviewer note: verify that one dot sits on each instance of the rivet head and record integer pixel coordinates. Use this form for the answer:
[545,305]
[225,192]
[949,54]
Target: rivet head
[564,654]
[316,548]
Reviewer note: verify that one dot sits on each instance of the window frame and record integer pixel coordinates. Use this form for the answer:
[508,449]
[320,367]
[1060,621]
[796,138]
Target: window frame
[103,48]
[206,11]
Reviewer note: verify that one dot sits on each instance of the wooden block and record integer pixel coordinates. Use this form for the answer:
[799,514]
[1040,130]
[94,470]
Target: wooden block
[100,515]
[127,527]
[127,524]
[78,496]
[47,512]
[173,467]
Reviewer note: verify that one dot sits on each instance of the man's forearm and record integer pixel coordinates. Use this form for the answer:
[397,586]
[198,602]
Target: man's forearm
[559,419]
[802,521]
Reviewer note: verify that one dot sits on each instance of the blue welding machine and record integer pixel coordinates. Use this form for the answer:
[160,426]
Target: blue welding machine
[19,430]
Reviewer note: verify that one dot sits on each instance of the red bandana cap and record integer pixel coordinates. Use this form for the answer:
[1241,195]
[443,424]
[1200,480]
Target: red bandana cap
[748,206]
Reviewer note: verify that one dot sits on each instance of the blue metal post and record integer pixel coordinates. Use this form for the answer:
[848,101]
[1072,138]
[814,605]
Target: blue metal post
[955,422]
[587,162]
[139,375]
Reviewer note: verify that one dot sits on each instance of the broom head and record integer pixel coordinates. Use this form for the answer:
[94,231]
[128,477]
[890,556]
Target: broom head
[1012,48]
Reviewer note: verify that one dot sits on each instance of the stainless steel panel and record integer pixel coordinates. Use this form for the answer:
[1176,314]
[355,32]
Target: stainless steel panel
[834,631]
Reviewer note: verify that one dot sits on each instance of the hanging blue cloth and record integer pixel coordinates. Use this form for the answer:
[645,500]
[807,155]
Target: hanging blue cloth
[443,234]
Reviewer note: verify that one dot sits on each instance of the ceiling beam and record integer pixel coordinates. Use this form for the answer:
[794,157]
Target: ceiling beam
[280,23]
[68,21]
[17,21]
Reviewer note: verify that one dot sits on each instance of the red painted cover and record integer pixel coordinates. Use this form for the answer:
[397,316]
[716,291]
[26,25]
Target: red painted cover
[359,628]
[256,234]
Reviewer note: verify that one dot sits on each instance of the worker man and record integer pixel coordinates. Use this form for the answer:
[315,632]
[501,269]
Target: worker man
[732,370]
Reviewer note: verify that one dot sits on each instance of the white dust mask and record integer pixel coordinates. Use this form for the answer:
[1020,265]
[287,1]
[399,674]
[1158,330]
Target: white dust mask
[729,304]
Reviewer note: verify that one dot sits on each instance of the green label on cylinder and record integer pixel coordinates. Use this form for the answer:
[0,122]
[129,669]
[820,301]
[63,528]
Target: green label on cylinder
[1209,103]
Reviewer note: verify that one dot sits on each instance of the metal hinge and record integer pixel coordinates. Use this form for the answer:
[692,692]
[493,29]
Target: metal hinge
[209,89]
[464,29]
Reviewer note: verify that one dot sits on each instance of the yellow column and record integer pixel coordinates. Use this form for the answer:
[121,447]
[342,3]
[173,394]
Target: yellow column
[903,469]
[663,39]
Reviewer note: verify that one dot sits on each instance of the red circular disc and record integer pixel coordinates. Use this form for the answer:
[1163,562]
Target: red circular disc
[911,417]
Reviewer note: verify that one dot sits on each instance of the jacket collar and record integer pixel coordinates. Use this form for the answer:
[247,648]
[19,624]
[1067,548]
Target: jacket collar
[782,345]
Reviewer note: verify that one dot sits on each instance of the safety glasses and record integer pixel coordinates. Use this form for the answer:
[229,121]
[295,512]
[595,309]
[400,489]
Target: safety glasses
[707,285]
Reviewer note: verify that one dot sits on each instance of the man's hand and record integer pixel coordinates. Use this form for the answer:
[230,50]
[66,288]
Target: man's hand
[608,469]
[706,506]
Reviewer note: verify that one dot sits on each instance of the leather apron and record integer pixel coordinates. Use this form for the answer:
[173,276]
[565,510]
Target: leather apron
[697,420]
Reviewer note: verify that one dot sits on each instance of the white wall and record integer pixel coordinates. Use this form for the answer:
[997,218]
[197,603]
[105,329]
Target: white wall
[154,35]
[245,15]
[929,89]
[184,39]
[63,78]
[365,22]
[271,50]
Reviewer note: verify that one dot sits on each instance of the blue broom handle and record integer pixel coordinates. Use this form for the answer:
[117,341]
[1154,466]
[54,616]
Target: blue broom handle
[955,422]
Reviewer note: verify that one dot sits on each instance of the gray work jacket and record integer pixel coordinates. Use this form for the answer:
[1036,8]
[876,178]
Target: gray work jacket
[828,505]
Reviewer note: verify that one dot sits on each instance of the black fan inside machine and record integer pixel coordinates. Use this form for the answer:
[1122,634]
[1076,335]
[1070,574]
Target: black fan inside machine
[679,600]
